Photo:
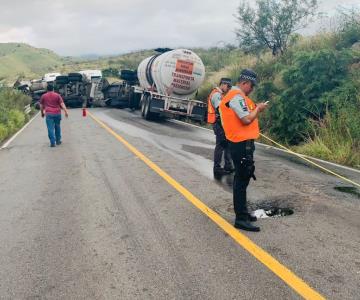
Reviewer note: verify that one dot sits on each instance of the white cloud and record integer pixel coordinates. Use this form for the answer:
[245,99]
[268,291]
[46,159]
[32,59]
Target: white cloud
[111,26]
[22,34]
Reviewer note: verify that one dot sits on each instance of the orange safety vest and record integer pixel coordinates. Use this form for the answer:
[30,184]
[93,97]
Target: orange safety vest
[211,112]
[235,130]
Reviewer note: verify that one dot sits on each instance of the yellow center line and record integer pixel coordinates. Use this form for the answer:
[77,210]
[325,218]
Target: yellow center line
[265,258]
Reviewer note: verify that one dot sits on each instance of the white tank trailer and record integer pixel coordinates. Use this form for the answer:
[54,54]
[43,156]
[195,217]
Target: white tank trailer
[167,83]
[174,73]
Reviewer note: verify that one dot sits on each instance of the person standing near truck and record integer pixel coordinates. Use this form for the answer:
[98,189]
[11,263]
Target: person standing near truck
[51,104]
[239,116]
[213,117]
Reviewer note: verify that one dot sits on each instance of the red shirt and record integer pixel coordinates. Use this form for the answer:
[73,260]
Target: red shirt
[51,102]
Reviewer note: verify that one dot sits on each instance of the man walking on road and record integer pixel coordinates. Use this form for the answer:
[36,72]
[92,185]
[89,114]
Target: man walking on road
[51,104]
[214,118]
[239,116]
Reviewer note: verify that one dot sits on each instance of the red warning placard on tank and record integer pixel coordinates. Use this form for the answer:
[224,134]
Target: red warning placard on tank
[185,67]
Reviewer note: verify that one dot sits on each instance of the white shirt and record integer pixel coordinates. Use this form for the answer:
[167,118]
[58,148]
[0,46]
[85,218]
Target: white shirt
[238,105]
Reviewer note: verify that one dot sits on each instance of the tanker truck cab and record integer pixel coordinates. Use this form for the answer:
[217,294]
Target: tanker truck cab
[168,83]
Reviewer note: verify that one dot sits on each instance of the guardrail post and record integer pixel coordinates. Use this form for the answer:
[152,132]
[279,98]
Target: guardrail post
[27,109]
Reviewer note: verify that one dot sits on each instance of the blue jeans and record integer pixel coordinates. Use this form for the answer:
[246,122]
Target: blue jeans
[53,126]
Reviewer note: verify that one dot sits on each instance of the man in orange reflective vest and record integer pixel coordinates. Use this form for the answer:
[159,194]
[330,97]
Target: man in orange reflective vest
[239,116]
[214,119]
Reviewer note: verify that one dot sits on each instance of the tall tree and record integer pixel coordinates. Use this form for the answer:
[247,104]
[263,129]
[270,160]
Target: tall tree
[271,22]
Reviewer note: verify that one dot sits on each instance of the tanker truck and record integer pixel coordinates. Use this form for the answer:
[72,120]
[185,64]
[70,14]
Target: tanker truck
[166,84]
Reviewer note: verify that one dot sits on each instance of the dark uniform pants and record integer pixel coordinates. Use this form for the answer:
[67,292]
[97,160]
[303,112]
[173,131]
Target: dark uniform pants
[242,154]
[222,146]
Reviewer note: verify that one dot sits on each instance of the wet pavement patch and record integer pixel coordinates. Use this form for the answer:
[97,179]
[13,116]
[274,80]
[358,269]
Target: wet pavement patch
[348,189]
[207,153]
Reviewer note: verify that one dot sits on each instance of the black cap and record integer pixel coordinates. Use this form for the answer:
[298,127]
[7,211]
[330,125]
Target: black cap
[225,81]
[248,74]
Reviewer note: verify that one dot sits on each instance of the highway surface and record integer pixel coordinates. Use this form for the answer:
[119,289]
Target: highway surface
[128,209]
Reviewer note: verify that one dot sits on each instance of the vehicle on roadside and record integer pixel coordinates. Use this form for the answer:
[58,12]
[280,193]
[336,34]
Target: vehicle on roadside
[82,89]
[50,77]
[163,85]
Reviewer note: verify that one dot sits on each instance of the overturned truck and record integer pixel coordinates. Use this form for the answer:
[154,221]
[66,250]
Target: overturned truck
[82,89]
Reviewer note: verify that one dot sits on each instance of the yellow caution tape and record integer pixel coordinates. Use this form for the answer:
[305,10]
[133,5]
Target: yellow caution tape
[311,162]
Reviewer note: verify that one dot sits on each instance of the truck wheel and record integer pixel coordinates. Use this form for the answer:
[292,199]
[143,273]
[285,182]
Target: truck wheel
[131,100]
[143,104]
[108,103]
[136,102]
[62,79]
[147,114]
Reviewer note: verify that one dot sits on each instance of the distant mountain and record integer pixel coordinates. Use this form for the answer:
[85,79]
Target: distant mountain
[22,60]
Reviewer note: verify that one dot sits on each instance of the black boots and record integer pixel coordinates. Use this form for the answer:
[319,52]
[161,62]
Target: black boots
[229,170]
[252,218]
[243,223]
[220,172]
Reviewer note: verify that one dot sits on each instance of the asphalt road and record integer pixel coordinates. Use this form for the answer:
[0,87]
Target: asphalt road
[89,220]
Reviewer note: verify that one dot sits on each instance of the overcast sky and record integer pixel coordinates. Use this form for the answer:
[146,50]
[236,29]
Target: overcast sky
[78,27]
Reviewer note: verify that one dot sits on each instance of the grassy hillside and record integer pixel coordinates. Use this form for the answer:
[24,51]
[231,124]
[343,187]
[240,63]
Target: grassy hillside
[17,59]
[22,60]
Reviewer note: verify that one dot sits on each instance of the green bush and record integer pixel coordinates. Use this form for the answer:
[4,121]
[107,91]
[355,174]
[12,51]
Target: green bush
[12,115]
[17,118]
[332,140]
[310,76]
[3,132]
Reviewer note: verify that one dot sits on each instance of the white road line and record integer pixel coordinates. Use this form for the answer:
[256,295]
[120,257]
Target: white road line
[188,124]
[16,134]
[281,150]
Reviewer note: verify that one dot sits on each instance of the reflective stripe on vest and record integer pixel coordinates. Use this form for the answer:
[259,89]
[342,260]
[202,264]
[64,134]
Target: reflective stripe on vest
[235,130]
[211,112]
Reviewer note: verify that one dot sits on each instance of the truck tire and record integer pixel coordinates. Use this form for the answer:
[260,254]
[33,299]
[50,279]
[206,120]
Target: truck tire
[128,75]
[143,104]
[127,72]
[137,98]
[75,77]
[131,100]
[148,115]
[62,79]
[108,102]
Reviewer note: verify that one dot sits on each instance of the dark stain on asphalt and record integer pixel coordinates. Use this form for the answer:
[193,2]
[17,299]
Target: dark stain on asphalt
[202,151]
[349,190]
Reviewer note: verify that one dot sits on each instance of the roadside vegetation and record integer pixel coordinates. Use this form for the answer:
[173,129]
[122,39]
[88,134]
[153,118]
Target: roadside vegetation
[313,88]
[12,116]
